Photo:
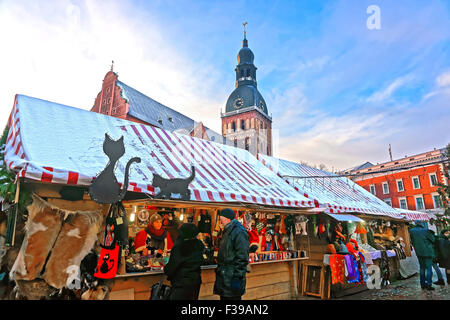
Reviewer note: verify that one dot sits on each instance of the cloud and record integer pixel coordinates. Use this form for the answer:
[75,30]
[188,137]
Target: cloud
[443,80]
[61,50]
[387,92]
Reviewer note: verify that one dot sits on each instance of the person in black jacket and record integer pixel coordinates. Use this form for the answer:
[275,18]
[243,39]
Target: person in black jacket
[183,269]
[232,258]
[443,252]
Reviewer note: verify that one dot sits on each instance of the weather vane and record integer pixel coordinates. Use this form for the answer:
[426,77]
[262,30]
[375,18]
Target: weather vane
[244,24]
[112,65]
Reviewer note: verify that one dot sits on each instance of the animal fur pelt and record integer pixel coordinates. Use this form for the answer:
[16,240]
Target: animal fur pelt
[67,236]
[74,242]
[36,289]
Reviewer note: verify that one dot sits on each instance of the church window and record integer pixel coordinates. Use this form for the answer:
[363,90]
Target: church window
[248,72]
[233,126]
[247,143]
[242,73]
[243,124]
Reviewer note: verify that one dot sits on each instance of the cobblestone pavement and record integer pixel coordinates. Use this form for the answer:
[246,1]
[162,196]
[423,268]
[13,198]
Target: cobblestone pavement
[408,289]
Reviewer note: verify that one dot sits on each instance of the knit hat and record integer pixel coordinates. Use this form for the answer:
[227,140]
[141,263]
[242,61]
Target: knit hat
[188,231]
[227,213]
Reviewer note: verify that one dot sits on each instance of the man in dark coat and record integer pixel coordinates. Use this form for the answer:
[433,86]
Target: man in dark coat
[422,239]
[183,269]
[232,258]
[443,252]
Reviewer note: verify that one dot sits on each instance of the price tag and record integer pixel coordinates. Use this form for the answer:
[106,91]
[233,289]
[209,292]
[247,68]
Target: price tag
[216,253]
[199,218]
[119,220]
[204,256]
[214,234]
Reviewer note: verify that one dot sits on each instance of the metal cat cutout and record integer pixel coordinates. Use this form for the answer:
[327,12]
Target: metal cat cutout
[176,186]
[105,188]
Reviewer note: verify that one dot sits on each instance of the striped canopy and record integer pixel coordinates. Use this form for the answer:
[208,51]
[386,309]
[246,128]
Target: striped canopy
[54,143]
[335,194]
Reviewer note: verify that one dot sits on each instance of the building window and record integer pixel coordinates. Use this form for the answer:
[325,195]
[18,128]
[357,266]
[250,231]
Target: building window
[433,179]
[419,203]
[372,189]
[400,185]
[402,203]
[416,182]
[233,126]
[437,201]
[248,72]
[242,73]
[388,201]
[243,124]
[385,188]
[247,144]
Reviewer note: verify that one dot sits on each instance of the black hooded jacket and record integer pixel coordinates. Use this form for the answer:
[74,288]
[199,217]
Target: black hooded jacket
[186,258]
[232,261]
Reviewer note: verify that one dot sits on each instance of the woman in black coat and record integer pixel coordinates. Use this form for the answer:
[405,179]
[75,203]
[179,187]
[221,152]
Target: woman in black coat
[183,269]
[442,245]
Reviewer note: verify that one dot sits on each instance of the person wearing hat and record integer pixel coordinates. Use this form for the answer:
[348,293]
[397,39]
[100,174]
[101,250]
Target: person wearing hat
[154,239]
[183,269]
[232,259]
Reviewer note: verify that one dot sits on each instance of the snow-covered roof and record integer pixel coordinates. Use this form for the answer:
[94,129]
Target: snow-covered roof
[335,194]
[55,143]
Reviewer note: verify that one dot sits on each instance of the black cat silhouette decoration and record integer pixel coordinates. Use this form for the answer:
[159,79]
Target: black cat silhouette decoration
[105,187]
[105,268]
[175,186]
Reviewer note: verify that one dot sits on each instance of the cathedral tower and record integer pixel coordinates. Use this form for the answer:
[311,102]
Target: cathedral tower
[246,120]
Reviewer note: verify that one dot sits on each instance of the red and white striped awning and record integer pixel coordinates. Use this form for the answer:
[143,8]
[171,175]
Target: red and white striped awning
[53,143]
[416,215]
[335,194]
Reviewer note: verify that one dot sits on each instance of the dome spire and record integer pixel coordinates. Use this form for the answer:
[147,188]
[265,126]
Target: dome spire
[245,42]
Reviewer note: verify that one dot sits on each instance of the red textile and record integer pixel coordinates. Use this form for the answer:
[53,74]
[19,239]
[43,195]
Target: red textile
[337,266]
[253,236]
[141,239]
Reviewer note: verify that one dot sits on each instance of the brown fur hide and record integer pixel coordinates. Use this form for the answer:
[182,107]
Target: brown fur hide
[42,228]
[74,242]
[63,237]
[98,293]
[37,289]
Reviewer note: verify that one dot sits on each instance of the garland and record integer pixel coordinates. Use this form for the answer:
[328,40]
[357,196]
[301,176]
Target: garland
[7,180]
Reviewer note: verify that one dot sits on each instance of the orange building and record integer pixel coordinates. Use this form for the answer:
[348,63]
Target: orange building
[408,183]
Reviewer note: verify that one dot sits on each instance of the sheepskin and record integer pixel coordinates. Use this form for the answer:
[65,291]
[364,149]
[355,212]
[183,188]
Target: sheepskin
[77,237]
[42,229]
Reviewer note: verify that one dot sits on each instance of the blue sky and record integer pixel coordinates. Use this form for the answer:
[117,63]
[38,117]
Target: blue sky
[338,92]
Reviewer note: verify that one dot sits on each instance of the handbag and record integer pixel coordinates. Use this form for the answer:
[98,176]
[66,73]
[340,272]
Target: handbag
[160,291]
[114,238]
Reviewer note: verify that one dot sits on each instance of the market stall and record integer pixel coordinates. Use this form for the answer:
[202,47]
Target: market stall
[379,237]
[177,176]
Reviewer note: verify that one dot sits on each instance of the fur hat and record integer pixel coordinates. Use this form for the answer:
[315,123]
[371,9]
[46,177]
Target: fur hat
[188,231]
[153,218]
[227,213]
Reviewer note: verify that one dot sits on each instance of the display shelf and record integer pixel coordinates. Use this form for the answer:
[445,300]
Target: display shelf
[272,261]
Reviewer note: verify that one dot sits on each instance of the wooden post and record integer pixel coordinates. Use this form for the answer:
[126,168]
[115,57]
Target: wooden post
[406,238]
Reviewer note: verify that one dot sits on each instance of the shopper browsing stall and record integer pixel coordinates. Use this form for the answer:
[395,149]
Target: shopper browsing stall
[232,258]
[183,269]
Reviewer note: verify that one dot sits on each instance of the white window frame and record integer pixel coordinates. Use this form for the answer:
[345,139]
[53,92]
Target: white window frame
[388,199]
[434,194]
[385,184]
[431,181]
[415,200]
[400,204]
[374,189]
[403,185]
[418,180]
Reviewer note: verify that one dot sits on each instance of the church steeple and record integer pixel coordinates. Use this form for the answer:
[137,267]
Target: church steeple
[245,70]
